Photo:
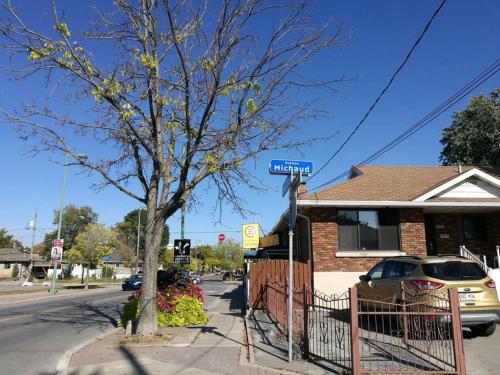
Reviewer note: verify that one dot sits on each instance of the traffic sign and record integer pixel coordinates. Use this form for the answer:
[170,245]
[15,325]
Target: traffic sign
[56,253]
[58,243]
[182,259]
[182,247]
[221,237]
[278,166]
[250,234]
[106,258]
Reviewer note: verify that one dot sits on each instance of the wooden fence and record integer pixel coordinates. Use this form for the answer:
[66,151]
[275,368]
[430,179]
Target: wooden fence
[277,271]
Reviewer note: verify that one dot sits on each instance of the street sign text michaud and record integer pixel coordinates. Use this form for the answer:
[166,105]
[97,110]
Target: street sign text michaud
[291,166]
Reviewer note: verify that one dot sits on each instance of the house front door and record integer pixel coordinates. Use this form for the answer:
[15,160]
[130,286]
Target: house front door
[430,235]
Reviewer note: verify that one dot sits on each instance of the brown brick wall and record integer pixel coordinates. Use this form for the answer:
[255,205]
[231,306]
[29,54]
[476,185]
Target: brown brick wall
[452,225]
[412,231]
[325,240]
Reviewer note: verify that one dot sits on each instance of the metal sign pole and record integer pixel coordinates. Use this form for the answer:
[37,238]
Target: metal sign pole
[290,274]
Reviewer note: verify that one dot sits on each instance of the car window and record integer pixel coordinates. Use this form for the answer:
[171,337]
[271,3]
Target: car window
[407,269]
[376,272]
[454,271]
[392,270]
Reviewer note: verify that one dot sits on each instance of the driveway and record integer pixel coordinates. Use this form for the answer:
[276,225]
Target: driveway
[482,354]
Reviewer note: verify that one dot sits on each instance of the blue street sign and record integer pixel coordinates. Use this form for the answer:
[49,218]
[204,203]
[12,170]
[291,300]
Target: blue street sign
[291,166]
[106,258]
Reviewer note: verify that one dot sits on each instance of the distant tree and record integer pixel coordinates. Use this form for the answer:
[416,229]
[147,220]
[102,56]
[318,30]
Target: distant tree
[127,252]
[5,239]
[90,246]
[231,254]
[127,230]
[74,220]
[17,245]
[474,135]
[39,248]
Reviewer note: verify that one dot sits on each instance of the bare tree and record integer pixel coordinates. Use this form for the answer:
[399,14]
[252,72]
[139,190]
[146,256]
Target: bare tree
[188,92]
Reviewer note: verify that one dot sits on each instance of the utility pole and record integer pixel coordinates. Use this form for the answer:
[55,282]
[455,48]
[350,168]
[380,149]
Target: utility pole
[183,218]
[32,242]
[138,241]
[61,208]
[59,225]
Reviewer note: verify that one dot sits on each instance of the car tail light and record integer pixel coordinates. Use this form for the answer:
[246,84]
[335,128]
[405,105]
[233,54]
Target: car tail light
[426,284]
[490,284]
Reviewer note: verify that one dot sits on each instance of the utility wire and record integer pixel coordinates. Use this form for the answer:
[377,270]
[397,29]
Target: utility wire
[384,90]
[443,107]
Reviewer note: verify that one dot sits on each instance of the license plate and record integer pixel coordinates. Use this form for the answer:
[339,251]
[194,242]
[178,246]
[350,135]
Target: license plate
[466,296]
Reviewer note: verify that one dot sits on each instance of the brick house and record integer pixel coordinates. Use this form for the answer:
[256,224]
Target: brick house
[382,211]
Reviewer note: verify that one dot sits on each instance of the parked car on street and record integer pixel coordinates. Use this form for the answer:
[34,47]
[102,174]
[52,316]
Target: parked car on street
[133,282]
[479,305]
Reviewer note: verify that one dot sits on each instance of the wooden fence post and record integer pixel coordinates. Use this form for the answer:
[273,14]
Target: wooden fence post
[456,331]
[353,307]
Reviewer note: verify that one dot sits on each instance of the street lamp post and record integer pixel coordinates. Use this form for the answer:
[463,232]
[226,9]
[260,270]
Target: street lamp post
[59,225]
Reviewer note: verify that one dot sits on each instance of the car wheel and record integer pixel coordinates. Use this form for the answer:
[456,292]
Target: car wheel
[484,329]
[195,281]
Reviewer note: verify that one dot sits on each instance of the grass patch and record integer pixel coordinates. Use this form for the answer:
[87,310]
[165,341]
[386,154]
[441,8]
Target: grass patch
[158,338]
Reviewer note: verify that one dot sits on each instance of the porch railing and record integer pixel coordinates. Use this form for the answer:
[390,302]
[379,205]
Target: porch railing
[467,254]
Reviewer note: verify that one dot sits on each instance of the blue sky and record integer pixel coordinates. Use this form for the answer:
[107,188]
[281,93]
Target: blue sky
[462,41]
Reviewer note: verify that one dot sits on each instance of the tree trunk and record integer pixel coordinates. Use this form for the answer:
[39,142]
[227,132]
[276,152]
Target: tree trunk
[83,273]
[87,278]
[148,323]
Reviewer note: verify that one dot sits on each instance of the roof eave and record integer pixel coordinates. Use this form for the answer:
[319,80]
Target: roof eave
[344,203]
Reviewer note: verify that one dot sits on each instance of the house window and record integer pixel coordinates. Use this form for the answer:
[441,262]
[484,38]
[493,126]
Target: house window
[474,228]
[368,229]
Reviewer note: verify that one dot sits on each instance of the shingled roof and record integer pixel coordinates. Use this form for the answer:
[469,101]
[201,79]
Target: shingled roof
[13,255]
[390,183]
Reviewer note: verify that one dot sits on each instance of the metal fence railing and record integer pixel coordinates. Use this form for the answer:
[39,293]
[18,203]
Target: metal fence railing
[419,333]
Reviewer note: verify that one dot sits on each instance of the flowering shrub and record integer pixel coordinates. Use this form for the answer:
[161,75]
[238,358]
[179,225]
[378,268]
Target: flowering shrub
[165,298]
[176,307]
[186,311]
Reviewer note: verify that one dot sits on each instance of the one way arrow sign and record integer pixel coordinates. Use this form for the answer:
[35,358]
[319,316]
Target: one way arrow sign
[182,247]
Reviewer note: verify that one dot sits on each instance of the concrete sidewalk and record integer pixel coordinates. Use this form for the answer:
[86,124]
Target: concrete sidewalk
[219,347]
[215,348]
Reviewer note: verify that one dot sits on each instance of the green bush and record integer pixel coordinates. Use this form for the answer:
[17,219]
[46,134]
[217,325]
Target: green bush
[130,311]
[107,272]
[188,311]
[15,270]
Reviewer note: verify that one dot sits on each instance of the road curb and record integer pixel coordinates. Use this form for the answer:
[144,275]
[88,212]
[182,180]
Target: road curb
[63,362]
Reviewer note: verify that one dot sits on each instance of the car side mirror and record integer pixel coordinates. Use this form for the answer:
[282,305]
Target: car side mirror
[365,278]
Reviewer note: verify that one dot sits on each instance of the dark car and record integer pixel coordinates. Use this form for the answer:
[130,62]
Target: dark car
[195,279]
[132,283]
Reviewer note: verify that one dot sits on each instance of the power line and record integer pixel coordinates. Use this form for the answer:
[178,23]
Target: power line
[384,90]
[443,107]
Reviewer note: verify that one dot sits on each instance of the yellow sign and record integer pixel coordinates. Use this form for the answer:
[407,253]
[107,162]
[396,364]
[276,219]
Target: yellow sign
[269,241]
[250,233]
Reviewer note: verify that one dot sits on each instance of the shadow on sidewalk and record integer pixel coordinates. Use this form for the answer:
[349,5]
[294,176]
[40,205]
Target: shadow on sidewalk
[236,298]
[138,369]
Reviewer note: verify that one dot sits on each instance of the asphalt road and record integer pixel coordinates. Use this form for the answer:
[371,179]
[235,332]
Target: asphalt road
[33,335]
